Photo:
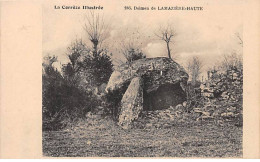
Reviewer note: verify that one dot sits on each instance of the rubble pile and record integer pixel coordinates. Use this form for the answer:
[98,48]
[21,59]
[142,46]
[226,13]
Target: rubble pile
[161,118]
[222,95]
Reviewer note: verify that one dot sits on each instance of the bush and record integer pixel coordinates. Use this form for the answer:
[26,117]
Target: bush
[67,95]
[133,54]
[97,68]
[193,96]
[63,102]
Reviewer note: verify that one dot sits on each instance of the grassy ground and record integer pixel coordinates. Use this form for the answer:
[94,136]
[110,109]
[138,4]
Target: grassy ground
[102,138]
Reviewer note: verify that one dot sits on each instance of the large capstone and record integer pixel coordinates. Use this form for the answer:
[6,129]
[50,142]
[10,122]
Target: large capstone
[155,83]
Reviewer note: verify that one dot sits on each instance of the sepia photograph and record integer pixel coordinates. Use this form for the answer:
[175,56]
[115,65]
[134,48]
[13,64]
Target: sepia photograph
[142,80]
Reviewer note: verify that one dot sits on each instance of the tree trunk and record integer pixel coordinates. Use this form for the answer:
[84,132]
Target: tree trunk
[95,48]
[169,52]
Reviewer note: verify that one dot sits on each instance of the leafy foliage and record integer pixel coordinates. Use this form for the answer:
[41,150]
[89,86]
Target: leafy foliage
[97,68]
[133,54]
[67,95]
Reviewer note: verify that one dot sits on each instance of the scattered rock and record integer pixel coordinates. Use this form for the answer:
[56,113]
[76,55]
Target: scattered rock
[228,114]
[179,107]
[231,109]
[184,104]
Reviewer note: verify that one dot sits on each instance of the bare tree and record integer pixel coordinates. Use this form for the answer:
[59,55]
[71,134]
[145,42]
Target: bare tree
[96,29]
[98,66]
[167,34]
[194,67]
[240,40]
[231,60]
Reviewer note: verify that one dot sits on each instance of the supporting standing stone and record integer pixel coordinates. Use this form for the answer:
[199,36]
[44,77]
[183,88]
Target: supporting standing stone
[131,103]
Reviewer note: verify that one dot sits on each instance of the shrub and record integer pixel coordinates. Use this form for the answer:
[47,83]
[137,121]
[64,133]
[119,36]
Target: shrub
[193,96]
[133,54]
[97,68]
[67,94]
[63,102]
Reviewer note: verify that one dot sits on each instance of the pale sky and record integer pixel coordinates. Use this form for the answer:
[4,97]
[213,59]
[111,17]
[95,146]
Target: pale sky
[207,34]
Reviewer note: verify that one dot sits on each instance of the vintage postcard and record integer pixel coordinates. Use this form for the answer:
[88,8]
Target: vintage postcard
[130,79]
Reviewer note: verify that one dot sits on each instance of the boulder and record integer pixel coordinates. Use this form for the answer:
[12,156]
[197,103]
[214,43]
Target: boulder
[147,84]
